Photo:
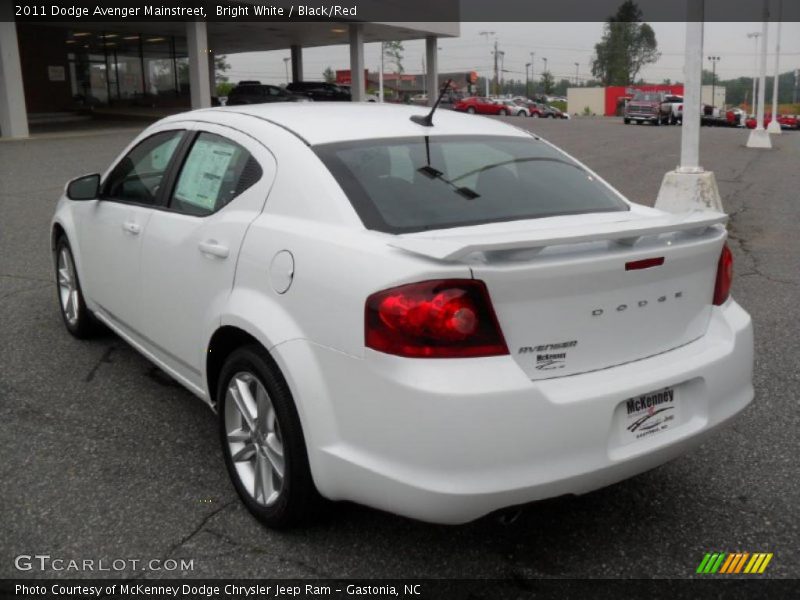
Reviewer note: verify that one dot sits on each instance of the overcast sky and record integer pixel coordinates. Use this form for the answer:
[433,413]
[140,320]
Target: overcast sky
[563,44]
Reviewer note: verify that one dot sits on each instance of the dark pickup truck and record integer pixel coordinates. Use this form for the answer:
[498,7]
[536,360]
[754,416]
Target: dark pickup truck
[652,107]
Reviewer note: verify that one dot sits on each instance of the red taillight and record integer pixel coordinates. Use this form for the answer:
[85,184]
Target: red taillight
[724,276]
[680,107]
[451,318]
[646,263]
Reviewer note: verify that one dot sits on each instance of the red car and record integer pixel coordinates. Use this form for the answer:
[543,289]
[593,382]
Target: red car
[786,121]
[483,106]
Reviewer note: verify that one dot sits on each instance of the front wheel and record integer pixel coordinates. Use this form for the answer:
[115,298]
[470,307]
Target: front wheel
[626,121]
[471,110]
[535,115]
[262,440]
[503,112]
[77,318]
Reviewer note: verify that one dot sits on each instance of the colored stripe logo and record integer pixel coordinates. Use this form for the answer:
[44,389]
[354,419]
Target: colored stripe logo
[734,563]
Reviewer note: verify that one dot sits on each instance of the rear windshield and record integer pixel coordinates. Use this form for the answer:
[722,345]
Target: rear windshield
[402,185]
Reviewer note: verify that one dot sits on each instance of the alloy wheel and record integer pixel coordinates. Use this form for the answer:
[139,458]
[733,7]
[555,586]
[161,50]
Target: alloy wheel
[68,292]
[254,438]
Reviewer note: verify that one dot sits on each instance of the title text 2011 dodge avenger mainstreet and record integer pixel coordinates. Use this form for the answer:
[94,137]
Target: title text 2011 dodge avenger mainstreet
[439,321]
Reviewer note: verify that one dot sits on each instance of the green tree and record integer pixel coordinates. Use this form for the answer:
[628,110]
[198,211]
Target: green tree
[708,77]
[547,82]
[328,75]
[393,51]
[221,66]
[627,46]
[560,89]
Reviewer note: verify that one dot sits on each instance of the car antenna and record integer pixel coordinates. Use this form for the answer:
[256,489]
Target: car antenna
[427,120]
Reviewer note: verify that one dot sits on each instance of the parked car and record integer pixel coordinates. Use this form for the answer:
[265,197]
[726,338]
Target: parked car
[362,301]
[514,109]
[557,113]
[536,109]
[367,96]
[480,105]
[716,117]
[785,121]
[419,99]
[320,91]
[255,92]
[675,108]
[650,107]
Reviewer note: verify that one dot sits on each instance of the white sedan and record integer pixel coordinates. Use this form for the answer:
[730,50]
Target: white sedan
[435,320]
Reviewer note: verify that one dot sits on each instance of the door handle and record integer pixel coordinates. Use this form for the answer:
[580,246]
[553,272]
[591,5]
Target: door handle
[213,248]
[132,227]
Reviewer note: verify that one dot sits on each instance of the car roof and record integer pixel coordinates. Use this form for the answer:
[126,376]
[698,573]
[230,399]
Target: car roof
[322,123]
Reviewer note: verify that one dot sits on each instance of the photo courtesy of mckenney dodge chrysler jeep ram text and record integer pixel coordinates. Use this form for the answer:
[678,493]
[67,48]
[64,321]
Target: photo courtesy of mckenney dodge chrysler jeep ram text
[438,320]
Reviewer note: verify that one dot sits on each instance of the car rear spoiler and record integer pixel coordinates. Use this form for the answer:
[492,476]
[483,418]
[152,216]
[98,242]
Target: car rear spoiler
[454,247]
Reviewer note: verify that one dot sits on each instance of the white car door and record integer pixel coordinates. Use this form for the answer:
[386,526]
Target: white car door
[111,229]
[190,248]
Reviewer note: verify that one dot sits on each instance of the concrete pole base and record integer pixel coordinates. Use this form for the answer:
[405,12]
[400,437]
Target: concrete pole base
[759,138]
[774,127]
[683,192]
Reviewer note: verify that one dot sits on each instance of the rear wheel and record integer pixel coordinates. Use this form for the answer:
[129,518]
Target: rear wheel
[503,112]
[535,115]
[262,440]
[77,318]
[471,110]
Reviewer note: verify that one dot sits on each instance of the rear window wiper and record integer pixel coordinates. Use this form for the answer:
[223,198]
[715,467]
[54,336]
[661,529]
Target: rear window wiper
[433,173]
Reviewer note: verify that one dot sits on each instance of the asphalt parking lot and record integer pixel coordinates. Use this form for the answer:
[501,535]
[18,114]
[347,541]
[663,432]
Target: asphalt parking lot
[105,457]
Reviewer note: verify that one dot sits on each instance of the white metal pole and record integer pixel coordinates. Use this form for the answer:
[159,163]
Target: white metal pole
[774,126]
[380,74]
[759,138]
[690,187]
[754,36]
[690,131]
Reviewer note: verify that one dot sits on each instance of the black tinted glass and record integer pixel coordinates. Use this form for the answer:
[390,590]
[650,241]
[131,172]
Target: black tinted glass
[467,181]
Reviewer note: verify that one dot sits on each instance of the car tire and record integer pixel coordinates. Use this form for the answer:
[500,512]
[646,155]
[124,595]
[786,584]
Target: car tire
[77,318]
[503,112]
[673,120]
[264,449]
[626,121]
[657,122]
[535,115]
[521,113]
[471,110]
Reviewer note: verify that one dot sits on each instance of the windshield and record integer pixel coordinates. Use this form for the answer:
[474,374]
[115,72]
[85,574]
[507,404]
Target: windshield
[647,97]
[403,185]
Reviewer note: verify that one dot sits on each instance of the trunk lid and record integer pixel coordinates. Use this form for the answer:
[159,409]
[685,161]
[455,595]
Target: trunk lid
[570,298]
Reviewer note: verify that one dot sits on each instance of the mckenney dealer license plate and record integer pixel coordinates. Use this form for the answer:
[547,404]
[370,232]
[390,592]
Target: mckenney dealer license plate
[649,414]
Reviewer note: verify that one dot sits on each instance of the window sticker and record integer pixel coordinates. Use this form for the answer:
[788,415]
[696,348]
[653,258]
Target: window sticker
[203,173]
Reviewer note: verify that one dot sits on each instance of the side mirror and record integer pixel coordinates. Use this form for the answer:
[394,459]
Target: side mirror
[84,188]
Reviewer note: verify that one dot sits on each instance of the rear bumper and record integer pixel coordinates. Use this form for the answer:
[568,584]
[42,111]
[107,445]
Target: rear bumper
[451,440]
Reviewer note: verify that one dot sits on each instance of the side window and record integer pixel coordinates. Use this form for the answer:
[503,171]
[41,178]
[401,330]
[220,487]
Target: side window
[215,171]
[137,177]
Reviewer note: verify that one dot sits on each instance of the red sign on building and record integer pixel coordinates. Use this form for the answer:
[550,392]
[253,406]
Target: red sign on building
[616,95]
[343,77]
